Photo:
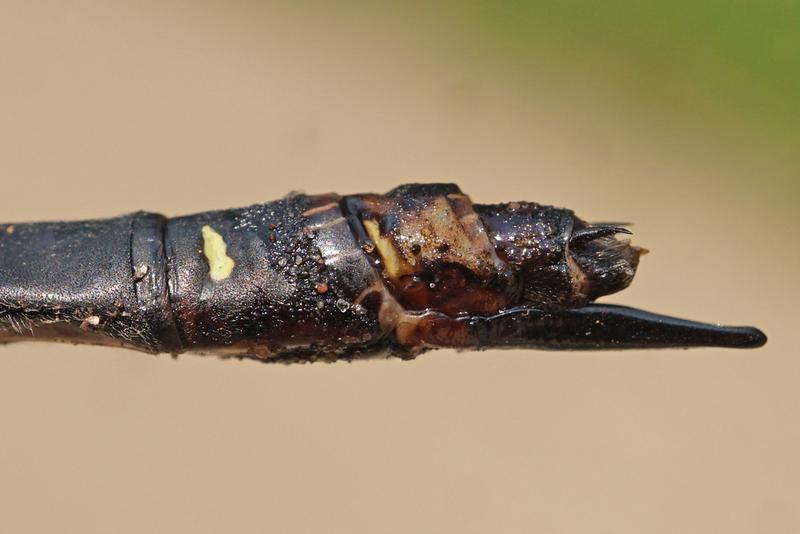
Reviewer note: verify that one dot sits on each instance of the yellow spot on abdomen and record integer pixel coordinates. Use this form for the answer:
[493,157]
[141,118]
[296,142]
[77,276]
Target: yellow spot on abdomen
[394,264]
[220,265]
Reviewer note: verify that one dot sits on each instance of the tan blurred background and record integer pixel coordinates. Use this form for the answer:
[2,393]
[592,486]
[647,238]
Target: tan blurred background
[111,107]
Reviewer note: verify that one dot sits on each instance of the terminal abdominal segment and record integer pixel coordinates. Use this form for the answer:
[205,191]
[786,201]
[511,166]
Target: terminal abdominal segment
[330,277]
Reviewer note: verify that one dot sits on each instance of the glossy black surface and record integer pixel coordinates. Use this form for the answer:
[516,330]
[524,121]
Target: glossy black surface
[309,282]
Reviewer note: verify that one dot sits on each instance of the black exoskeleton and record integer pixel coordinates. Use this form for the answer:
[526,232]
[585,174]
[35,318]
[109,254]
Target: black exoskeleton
[329,277]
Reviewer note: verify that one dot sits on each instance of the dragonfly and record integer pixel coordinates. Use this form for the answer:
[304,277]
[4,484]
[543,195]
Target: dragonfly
[329,277]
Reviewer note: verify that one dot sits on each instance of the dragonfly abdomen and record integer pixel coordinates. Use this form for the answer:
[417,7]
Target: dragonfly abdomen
[330,277]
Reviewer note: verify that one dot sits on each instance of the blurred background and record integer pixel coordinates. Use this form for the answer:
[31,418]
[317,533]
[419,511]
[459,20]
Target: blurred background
[681,116]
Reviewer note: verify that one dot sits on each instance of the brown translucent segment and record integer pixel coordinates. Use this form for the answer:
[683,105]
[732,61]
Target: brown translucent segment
[434,251]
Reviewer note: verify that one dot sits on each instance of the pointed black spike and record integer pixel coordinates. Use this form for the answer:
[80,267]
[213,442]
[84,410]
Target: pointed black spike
[590,233]
[611,326]
[605,327]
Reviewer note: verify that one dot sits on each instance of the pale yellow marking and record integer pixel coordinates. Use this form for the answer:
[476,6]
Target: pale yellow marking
[220,265]
[319,209]
[392,262]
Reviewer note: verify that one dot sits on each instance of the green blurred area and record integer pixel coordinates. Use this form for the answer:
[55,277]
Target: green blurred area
[722,70]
